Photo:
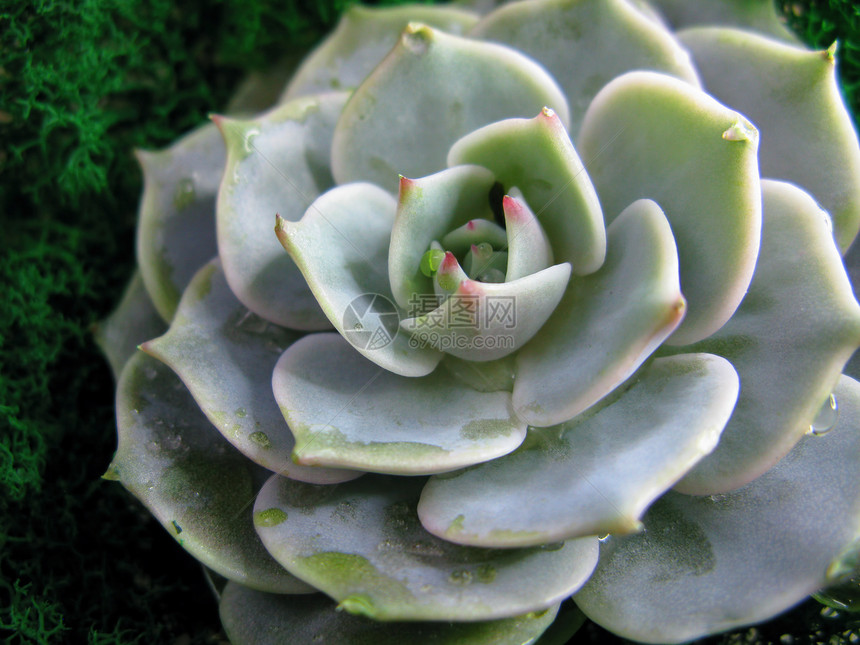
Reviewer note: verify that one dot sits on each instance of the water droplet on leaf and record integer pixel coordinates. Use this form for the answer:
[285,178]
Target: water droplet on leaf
[826,417]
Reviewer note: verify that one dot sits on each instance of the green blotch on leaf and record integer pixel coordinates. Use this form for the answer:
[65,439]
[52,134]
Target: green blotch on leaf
[352,576]
[486,429]
[269,517]
[183,197]
[261,439]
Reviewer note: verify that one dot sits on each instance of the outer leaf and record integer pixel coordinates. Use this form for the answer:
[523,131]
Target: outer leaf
[225,356]
[649,135]
[255,617]
[584,44]
[361,40]
[486,321]
[176,231]
[751,15]
[362,544]
[707,564]
[427,209]
[132,322]
[789,340]
[347,412]
[536,156]
[341,247]
[276,164]
[792,96]
[606,325]
[595,474]
[394,125]
[190,479]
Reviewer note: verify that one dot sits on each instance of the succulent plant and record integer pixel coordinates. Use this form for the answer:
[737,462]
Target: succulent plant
[495,310]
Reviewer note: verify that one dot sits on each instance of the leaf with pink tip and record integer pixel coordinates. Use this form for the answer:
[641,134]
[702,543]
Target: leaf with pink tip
[257,618]
[585,44]
[176,229]
[362,544]
[708,564]
[393,125]
[595,474]
[485,321]
[276,164]
[792,96]
[361,40]
[428,209]
[651,136]
[537,157]
[346,412]
[607,323]
[198,487]
[225,356]
[528,247]
[789,340]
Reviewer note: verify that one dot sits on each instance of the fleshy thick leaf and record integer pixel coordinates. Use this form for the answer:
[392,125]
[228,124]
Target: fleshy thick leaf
[537,157]
[361,40]
[607,323]
[394,124]
[752,15]
[132,322]
[792,96]
[595,474]
[584,44]
[341,247]
[708,564]
[225,356]
[196,485]
[653,136]
[347,412]
[362,544]
[486,321]
[427,210]
[528,247]
[795,329]
[276,164]
[253,617]
[176,229]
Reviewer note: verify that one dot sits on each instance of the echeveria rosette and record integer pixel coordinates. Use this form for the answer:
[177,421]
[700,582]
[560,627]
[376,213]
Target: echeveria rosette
[557,258]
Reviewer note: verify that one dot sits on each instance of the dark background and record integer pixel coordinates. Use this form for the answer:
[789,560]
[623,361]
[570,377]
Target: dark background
[82,84]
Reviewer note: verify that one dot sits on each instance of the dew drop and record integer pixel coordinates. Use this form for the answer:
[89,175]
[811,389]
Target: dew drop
[460,577]
[552,546]
[241,413]
[829,612]
[358,604]
[248,140]
[826,417]
[269,517]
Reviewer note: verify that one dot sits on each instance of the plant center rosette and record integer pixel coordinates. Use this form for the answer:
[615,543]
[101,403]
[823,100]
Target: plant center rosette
[563,312]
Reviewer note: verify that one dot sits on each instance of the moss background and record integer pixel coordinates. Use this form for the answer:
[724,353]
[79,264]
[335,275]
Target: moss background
[81,84]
